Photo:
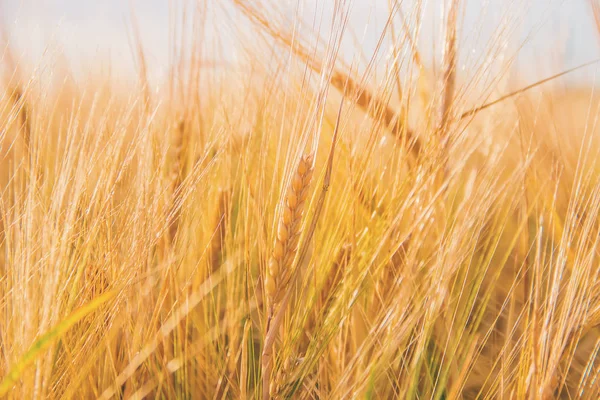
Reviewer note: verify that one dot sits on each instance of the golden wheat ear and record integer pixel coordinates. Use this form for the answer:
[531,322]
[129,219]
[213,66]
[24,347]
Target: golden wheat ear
[449,70]
[279,270]
[288,232]
[376,108]
[220,229]
[17,92]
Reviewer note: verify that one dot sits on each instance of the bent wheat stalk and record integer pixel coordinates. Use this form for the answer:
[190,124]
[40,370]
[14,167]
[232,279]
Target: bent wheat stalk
[375,107]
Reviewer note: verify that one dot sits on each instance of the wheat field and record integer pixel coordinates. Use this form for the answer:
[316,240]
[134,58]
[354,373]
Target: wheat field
[295,227]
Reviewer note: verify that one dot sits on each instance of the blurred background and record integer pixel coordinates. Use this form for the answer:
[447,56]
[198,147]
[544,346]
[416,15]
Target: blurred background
[544,36]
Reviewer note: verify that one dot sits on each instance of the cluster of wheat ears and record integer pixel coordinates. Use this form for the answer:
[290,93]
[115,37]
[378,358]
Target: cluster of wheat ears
[290,227]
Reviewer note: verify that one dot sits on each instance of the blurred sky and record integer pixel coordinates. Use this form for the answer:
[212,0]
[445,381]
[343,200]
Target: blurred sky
[554,34]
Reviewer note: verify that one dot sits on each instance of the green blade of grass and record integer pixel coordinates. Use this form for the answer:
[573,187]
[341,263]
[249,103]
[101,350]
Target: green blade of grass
[44,341]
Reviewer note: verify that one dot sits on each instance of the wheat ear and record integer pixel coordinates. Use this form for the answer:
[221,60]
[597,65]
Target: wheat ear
[304,170]
[17,91]
[376,108]
[220,229]
[449,69]
[279,270]
[288,232]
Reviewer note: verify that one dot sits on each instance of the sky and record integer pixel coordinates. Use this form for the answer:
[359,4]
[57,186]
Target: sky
[546,35]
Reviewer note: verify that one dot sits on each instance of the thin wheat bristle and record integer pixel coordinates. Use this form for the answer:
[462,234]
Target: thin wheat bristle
[288,231]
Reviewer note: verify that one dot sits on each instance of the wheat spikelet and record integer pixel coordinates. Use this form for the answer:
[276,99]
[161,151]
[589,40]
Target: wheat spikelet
[220,229]
[389,278]
[284,379]
[18,98]
[96,280]
[288,232]
[17,92]
[335,275]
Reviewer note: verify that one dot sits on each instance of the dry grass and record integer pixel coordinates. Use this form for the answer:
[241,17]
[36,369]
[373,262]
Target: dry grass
[162,244]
